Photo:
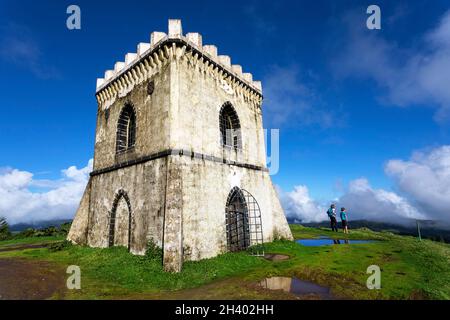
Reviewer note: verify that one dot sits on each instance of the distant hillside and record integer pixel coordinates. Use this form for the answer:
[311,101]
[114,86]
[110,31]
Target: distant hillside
[428,229]
[38,225]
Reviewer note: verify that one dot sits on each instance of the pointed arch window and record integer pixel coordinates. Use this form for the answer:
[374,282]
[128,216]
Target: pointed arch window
[230,127]
[126,129]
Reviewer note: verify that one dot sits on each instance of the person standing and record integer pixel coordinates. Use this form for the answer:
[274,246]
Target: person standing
[332,215]
[344,220]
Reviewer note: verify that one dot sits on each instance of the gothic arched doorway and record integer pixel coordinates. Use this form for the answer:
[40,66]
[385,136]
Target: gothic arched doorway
[238,231]
[243,222]
[120,221]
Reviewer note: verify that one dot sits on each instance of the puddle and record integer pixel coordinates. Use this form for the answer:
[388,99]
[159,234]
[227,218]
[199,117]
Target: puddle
[297,287]
[328,241]
[276,257]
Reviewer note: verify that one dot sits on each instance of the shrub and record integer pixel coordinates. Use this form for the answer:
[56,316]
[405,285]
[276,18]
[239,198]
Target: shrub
[61,245]
[50,231]
[30,232]
[4,229]
[64,228]
[153,252]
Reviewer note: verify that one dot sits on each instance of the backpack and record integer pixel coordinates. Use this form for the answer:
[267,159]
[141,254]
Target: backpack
[329,213]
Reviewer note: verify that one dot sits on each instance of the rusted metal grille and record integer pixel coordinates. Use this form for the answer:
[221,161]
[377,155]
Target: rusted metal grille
[126,129]
[230,127]
[243,223]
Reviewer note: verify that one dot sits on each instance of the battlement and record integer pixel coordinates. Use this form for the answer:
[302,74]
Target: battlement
[162,47]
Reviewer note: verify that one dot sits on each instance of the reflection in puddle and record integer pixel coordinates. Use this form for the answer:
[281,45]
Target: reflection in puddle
[328,241]
[296,286]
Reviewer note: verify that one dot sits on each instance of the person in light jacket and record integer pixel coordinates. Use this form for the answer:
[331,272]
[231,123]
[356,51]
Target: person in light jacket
[332,215]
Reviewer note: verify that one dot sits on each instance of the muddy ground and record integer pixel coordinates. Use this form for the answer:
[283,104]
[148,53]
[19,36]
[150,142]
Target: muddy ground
[22,279]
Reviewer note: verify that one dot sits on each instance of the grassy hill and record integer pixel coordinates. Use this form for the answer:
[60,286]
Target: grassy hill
[429,229]
[411,269]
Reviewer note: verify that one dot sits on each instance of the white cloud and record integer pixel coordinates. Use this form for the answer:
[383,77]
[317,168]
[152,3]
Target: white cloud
[422,191]
[362,201]
[425,178]
[299,206]
[19,203]
[366,203]
[411,76]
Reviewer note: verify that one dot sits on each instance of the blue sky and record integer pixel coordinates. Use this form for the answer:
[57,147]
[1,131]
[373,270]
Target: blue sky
[347,100]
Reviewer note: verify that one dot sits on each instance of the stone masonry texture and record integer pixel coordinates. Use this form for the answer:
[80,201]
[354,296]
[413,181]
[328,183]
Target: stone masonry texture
[172,186]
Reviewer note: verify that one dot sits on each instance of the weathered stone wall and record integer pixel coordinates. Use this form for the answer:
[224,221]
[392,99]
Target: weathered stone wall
[145,186]
[206,186]
[80,224]
[173,218]
[152,121]
[196,117]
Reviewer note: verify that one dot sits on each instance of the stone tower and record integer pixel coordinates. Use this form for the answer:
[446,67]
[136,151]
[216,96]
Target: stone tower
[179,155]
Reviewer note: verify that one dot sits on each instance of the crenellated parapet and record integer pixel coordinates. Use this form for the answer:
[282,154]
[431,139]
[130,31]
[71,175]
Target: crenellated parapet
[163,48]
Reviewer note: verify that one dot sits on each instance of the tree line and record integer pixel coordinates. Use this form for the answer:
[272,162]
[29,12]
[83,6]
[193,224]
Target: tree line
[6,234]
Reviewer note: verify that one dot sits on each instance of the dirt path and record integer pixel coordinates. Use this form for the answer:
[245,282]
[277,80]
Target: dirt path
[22,247]
[22,279]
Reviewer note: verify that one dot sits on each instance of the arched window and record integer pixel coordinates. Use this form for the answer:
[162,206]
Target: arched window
[126,129]
[230,128]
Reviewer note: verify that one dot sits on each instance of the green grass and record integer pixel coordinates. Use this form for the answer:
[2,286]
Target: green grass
[410,268]
[31,240]
[301,232]
[114,271]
